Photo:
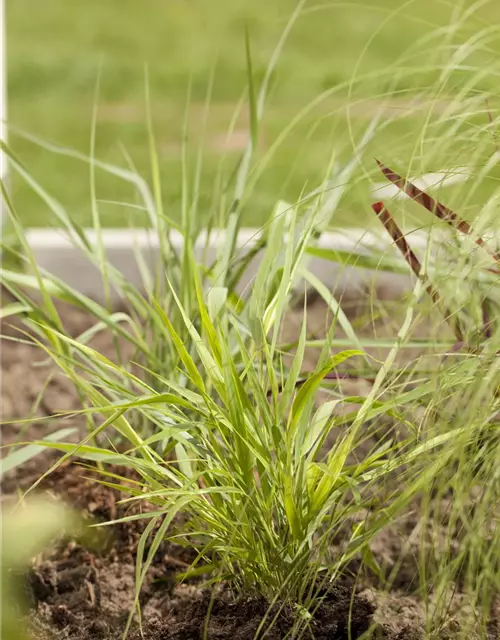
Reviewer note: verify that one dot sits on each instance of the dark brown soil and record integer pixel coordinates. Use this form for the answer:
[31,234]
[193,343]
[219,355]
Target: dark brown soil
[339,616]
[84,594]
[78,592]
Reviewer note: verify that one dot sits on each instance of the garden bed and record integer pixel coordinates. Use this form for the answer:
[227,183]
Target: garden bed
[79,593]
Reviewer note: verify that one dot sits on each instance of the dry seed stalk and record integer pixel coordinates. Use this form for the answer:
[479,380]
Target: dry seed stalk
[397,235]
[436,208]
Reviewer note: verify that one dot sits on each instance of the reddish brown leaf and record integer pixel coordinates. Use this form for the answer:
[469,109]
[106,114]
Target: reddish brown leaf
[487,321]
[436,208]
[397,235]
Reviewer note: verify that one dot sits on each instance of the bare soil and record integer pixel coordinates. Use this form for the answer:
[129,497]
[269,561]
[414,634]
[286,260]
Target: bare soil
[78,592]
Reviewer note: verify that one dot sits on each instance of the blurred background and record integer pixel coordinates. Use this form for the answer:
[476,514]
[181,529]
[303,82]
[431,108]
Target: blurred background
[355,59]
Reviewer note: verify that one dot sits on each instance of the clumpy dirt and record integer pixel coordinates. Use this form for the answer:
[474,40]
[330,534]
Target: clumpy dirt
[83,592]
[339,616]
[87,591]
[77,592]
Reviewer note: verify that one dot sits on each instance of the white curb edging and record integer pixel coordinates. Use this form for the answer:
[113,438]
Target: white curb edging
[57,254]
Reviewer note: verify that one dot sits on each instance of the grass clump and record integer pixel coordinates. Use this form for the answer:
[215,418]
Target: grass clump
[216,415]
[228,441]
[233,456]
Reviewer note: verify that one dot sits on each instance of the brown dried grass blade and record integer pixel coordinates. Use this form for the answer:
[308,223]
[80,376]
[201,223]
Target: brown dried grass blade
[435,207]
[399,239]
[487,321]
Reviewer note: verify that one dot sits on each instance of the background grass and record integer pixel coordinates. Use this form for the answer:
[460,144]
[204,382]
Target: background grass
[56,48]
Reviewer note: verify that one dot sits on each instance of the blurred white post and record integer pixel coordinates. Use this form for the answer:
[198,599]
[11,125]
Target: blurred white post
[3,95]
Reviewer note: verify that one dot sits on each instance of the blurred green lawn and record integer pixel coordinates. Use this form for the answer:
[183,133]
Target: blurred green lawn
[56,48]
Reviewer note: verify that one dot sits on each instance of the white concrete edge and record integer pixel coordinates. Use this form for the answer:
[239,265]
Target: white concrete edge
[57,254]
[123,239]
